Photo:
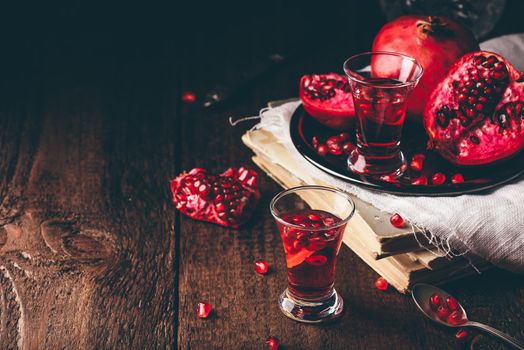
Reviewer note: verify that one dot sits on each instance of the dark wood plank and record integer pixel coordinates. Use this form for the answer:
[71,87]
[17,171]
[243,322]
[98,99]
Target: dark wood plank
[216,264]
[88,248]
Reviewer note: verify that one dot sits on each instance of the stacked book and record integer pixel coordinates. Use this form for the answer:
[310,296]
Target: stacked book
[403,256]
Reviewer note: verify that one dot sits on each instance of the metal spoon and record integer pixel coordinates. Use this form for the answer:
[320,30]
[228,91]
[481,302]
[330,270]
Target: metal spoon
[421,294]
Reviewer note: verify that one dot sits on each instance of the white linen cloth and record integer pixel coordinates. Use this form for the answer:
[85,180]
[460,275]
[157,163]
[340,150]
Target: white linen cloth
[489,224]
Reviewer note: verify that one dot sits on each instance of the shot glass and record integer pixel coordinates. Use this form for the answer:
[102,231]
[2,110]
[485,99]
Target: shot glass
[380,85]
[311,221]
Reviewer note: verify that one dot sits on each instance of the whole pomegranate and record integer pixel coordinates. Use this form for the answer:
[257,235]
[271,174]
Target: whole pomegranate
[327,98]
[475,116]
[435,42]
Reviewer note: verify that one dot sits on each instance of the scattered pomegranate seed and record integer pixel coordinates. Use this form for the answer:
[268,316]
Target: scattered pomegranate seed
[343,136]
[452,303]
[462,335]
[348,147]
[389,178]
[420,181]
[381,284]
[203,309]
[443,312]
[438,179]
[417,161]
[435,301]
[314,142]
[189,97]
[456,317]
[396,220]
[261,267]
[457,179]
[322,150]
[272,343]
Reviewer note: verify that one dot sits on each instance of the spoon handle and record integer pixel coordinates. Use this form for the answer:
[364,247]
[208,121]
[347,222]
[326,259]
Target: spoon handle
[510,340]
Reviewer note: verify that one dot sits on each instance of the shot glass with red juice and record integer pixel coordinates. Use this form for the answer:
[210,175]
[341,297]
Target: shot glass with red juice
[311,221]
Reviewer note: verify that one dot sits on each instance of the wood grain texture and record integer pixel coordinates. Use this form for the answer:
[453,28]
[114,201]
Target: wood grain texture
[93,254]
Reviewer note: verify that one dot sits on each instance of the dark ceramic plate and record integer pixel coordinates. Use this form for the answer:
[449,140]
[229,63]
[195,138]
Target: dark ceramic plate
[303,128]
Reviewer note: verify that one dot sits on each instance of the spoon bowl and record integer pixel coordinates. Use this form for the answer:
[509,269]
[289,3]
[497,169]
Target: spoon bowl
[421,294]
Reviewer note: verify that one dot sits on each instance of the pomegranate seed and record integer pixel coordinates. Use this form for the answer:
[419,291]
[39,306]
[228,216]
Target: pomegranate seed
[188,97]
[452,303]
[203,309]
[420,181]
[396,220]
[313,217]
[416,162]
[316,260]
[272,343]
[328,221]
[343,136]
[348,147]
[389,178]
[438,179]
[462,335]
[457,179]
[314,142]
[261,267]
[435,301]
[381,284]
[322,150]
[442,312]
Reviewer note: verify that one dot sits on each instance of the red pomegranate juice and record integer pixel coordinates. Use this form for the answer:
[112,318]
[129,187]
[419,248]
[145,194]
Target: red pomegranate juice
[311,252]
[381,112]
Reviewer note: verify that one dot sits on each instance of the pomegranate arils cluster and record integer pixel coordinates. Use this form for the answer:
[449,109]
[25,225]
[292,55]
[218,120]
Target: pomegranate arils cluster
[323,87]
[475,115]
[228,199]
[335,145]
[447,310]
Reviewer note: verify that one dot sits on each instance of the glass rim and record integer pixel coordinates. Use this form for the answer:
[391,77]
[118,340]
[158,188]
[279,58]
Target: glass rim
[371,53]
[312,187]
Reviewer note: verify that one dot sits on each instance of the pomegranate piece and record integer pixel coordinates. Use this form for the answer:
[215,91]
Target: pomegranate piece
[452,303]
[322,150]
[203,309]
[456,317]
[261,267]
[462,335]
[457,179]
[475,116]
[327,98]
[381,284]
[272,343]
[189,97]
[420,181]
[438,179]
[396,220]
[227,199]
[435,42]
[417,161]
[435,301]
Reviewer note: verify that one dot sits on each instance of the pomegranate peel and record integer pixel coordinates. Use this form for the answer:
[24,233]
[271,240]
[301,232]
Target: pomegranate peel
[227,199]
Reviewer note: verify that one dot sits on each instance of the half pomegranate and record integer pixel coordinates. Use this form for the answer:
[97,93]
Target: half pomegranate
[475,115]
[327,98]
[227,199]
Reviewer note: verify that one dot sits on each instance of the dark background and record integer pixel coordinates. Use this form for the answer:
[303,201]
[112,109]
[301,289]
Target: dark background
[91,131]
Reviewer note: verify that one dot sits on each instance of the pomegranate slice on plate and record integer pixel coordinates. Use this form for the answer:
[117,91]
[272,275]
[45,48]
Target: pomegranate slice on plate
[475,116]
[227,199]
[327,98]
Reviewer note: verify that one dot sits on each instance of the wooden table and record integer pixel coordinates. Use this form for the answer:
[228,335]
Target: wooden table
[93,254]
